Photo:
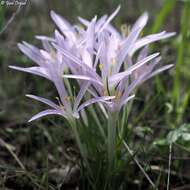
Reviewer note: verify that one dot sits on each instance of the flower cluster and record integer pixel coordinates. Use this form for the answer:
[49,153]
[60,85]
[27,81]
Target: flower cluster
[98,57]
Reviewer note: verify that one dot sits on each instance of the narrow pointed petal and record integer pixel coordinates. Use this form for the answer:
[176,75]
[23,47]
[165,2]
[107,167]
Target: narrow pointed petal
[59,84]
[128,99]
[43,100]
[150,39]
[60,40]
[39,37]
[63,25]
[126,47]
[118,77]
[95,100]
[98,55]
[80,95]
[82,77]
[130,88]
[141,22]
[45,113]
[101,22]
[90,35]
[110,18]
[33,70]
[47,46]
[84,21]
[159,71]
[31,52]
[114,31]
[143,53]
[78,62]
[68,54]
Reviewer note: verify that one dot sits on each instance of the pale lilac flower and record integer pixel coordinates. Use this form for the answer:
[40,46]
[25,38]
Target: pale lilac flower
[112,53]
[100,58]
[51,66]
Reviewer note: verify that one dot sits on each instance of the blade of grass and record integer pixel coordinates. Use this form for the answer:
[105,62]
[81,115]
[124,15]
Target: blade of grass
[10,150]
[160,19]
[181,50]
[163,14]
[139,165]
[169,166]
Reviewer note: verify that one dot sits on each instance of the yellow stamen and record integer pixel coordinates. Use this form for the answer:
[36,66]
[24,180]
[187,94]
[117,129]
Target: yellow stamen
[68,98]
[59,102]
[101,66]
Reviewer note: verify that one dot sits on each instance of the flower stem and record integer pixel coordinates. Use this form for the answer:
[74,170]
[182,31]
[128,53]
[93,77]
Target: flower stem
[112,121]
[73,125]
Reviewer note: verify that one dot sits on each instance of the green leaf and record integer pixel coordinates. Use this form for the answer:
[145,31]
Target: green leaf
[173,136]
[186,136]
[160,142]
[144,130]
[182,133]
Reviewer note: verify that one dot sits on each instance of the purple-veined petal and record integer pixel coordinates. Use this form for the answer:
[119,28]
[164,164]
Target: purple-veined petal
[130,40]
[157,71]
[76,60]
[143,53]
[104,56]
[90,34]
[80,30]
[46,55]
[110,18]
[46,43]
[98,54]
[141,79]
[59,84]
[130,88]
[128,99]
[58,36]
[45,38]
[123,84]
[80,95]
[114,31]
[95,100]
[47,46]
[101,22]
[32,52]
[84,21]
[60,40]
[141,22]
[45,113]
[83,77]
[118,77]
[147,68]
[68,54]
[43,100]
[64,26]
[126,47]
[33,70]
[150,39]
[89,43]
[86,57]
